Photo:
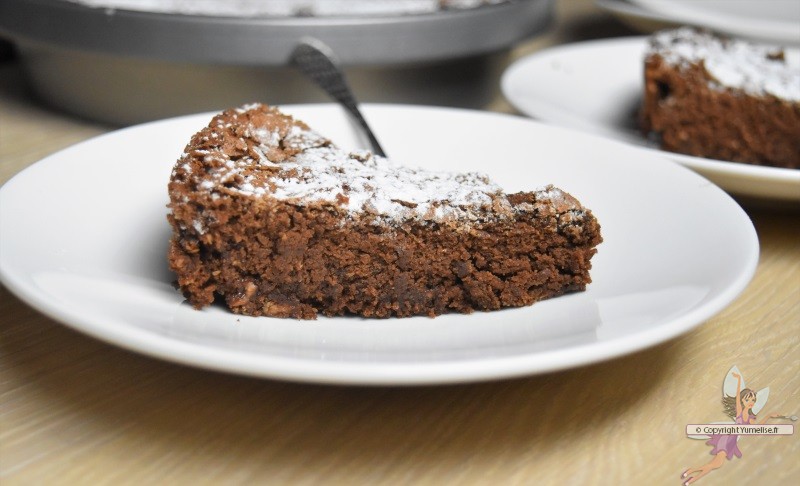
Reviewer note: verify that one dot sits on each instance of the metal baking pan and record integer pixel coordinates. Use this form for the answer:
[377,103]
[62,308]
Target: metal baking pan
[268,41]
[123,66]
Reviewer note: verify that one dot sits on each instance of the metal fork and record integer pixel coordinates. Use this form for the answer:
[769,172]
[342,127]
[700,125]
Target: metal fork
[318,62]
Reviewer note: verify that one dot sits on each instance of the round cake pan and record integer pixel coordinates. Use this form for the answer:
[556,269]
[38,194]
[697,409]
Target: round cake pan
[269,40]
[123,67]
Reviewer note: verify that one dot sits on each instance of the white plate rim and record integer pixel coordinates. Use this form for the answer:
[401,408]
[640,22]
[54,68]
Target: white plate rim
[472,370]
[765,29]
[683,11]
[542,111]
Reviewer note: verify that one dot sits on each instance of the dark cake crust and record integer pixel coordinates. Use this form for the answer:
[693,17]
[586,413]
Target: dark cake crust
[265,256]
[689,111]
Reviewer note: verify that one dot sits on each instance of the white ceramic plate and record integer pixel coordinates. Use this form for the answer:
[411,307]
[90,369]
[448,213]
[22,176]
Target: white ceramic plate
[83,237]
[775,21]
[596,87]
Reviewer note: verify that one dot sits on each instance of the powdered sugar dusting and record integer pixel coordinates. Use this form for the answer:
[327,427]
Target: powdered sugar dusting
[732,63]
[361,183]
[381,187]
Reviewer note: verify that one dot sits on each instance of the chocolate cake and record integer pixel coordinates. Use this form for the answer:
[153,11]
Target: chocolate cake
[273,219]
[721,98]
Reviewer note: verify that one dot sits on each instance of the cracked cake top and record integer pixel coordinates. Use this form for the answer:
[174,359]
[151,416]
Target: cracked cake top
[259,152]
[730,63]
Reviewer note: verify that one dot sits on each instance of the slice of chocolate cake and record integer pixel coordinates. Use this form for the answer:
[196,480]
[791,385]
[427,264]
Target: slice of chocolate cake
[277,221]
[722,98]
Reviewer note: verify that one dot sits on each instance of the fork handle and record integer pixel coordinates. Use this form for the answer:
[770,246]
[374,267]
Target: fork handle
[316,60]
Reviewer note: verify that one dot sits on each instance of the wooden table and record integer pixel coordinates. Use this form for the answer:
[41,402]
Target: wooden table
[74,410]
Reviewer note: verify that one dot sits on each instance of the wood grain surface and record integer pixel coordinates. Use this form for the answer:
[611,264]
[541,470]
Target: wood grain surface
[74,410]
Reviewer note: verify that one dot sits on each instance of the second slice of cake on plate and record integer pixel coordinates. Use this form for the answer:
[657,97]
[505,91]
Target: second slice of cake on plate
[275,220]
[722,98]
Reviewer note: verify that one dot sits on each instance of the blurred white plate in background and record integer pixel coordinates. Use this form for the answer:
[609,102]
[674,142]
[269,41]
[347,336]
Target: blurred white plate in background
[776,21]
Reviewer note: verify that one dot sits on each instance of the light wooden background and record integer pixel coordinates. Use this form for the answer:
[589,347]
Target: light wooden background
[74,410]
